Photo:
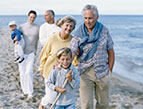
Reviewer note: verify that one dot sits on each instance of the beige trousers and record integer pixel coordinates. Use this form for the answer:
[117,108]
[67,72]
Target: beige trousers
[91,87]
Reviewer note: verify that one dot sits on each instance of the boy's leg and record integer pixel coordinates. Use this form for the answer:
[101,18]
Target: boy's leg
[20,49]
[17,57]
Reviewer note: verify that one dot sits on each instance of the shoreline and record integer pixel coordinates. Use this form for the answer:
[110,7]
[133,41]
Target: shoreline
[128,82]
[125,93]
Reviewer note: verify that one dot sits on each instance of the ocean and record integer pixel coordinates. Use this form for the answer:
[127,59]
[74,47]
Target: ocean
[127,34]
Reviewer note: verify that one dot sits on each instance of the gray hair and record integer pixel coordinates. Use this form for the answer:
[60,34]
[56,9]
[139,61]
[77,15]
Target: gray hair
[91,7]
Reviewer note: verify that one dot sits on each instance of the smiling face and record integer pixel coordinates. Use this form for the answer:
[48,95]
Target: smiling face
[31,18]
[67,27]
[89,19]
[65,61]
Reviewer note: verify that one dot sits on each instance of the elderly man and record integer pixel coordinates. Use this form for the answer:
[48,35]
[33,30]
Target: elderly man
[48,28]
[96,59]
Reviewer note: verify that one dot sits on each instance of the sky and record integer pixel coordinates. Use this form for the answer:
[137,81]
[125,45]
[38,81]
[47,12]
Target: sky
[105,7]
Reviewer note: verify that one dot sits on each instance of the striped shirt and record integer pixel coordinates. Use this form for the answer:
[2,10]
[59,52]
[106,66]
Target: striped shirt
[100,58]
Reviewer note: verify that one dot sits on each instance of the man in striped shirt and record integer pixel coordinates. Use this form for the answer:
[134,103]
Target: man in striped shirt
[96,59]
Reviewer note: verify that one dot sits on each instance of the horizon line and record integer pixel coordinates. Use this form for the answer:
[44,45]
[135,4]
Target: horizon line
[73,14]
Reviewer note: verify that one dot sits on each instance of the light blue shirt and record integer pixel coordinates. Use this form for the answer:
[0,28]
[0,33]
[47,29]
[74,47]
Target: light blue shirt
[57,78]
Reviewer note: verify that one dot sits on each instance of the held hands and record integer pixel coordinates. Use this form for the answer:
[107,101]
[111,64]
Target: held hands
[61,90]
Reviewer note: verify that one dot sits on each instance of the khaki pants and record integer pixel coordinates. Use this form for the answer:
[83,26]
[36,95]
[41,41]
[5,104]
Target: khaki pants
[91,86]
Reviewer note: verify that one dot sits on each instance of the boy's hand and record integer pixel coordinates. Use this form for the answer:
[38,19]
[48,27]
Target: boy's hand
[61,90]
[69,76]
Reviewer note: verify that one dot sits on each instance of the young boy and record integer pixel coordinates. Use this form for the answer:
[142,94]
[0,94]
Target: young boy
[18,41]
[58,76]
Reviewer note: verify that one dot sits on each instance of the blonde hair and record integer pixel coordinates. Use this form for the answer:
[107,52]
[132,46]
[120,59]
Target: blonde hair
[64,51]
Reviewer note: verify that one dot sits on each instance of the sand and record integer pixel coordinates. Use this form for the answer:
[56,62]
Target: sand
[125,94]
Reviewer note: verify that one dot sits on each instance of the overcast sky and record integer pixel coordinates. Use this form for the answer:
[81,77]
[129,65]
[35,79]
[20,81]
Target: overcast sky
[20,7]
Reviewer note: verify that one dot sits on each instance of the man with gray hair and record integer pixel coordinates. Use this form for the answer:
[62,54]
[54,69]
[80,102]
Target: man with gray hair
[94,46]
[48,28]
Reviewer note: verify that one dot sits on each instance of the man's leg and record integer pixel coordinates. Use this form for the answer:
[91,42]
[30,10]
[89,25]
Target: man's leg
[102,92]
[86,89]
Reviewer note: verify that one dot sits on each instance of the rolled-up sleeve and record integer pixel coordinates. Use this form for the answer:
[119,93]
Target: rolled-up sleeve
[110,42]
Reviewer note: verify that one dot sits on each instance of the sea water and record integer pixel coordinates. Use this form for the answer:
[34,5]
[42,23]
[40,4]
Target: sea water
[126,32]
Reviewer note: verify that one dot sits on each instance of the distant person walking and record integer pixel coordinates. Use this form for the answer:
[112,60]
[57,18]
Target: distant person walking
[30,33]
[96,59]
[18,41]
[48,28]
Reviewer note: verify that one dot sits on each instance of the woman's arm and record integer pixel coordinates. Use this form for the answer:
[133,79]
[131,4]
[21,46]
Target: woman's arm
[44,55]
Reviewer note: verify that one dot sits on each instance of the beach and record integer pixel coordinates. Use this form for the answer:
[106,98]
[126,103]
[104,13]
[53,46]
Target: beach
[125,94]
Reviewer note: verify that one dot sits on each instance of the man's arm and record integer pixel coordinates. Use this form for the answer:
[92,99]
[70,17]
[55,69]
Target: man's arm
[42,35]
[111,58]
[74,46]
